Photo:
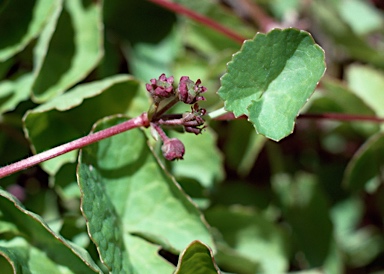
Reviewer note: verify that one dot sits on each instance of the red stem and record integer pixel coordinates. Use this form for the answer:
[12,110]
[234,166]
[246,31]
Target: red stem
[179,9]
[342,117]
[160,131]
[140,121]
[327,116]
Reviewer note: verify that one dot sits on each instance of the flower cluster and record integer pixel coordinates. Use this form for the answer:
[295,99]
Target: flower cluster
[188,92]
[193,121]
[161,88]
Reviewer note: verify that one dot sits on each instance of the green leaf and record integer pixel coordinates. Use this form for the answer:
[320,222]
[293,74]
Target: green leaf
[68,49]
[340,98]
[39,242]
[138,21]
[24,256]
[202,160]
[361,16]
[148,60]
[271,78]
[242,158]
[250,235]
[343,39]
[366,165]
[283,9]
[360,243]
[125,193]
[71,115]
[305,208]
[14,92]
[335,96]
[368,84]
[21,22]
[144,256]
[196,258]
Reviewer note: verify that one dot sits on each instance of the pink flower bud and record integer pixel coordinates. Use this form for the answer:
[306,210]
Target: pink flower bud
[173,149]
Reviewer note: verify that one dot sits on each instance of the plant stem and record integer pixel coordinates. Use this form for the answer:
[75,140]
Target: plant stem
[165,108]
[222,114]
[255,13]
[179,9]
[140,121]
[217,113]
[160,131]
[342,117]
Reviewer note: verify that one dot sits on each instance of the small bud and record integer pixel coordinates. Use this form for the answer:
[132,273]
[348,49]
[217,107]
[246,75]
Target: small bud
[193,122]
[189,91]
[173,149]
[161,88]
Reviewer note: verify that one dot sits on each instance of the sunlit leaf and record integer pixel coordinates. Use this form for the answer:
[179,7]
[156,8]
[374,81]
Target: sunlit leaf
[14,92]
[70,47]
[368,84]
[271,78]
[361,16]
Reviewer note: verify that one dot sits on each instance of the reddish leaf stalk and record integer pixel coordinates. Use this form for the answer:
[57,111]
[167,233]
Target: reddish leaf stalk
[179,9]
[140,121]
[257,14]
[326,116]
[342,117]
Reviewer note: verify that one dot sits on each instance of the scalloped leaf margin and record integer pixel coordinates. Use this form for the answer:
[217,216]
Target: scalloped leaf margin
[271,78]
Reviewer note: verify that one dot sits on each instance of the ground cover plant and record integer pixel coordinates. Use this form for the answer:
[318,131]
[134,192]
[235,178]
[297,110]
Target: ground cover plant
[191,136]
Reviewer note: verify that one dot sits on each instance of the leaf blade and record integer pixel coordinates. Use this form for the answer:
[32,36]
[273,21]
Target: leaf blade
[283,65]
[128,183]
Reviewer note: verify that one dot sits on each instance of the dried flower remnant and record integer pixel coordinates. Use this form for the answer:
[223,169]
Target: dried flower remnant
[189,91]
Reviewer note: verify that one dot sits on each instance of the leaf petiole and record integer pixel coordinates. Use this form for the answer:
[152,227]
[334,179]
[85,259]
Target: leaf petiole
[217,113]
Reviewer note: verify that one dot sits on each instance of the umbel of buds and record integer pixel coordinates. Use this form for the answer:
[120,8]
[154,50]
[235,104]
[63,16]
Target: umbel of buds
[187,92]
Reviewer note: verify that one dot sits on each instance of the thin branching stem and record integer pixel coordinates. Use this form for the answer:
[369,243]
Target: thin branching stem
[140,121]
[342,117]
[164,109]
[179,9]
[222,115]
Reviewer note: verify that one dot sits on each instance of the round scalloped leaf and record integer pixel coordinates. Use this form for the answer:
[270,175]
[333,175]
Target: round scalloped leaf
[271,78]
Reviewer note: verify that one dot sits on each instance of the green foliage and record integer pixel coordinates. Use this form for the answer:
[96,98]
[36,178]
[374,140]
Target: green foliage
[80,107]
[133,195]
[196,258]
[271,71]
[34,246]
[239,202]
